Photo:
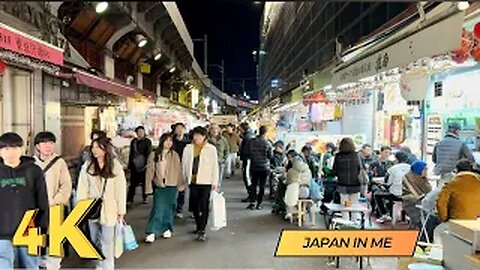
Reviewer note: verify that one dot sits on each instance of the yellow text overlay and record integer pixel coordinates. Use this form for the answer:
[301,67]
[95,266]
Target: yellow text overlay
[347,243]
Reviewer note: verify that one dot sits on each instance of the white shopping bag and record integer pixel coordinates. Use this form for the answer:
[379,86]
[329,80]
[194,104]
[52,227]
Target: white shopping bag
[118,239]
[218,213]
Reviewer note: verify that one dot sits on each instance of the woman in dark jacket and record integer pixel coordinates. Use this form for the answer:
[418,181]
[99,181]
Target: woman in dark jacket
[347,168]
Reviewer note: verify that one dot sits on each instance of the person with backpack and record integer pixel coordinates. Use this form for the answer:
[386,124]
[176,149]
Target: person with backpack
[58,180]
[140,149]
[22,188]
[102,177]
[163,180]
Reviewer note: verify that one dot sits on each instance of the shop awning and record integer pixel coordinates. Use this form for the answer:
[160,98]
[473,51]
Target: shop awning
[106,85]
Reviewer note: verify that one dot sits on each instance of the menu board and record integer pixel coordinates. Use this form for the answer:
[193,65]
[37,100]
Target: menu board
[434,132]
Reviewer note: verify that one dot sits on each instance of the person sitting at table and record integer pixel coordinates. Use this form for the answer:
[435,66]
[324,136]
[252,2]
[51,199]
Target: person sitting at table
[378,170]
[297,180]
[391,191]
[415,187]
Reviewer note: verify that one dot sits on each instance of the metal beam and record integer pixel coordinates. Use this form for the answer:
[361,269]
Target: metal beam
[119,34]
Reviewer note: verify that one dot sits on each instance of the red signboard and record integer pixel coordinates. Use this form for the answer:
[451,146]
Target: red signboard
[22,43]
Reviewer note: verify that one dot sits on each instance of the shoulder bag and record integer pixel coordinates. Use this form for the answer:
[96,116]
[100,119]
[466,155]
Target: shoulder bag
[139,162]
[50,165]
[96,209]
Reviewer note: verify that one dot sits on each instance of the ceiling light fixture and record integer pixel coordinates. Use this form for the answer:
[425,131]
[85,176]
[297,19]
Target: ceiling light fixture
[463,5]
[101,7]
[157,54]
[172,69]
[141,40]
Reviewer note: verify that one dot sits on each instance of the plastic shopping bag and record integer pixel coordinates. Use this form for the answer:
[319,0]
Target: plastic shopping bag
[129,241]
[118,239]
[315,191]
[218,211]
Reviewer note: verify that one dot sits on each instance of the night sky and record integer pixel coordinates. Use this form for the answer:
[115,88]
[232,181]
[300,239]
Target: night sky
[233,33]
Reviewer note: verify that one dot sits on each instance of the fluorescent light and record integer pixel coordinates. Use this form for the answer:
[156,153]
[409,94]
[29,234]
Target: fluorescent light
[157,56]
[463,5]
[101,7]
[173,69]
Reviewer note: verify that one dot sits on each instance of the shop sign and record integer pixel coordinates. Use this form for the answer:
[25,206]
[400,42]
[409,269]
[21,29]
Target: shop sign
[48,25]
[440,38]
[275,83]
[297,95]
[22,43]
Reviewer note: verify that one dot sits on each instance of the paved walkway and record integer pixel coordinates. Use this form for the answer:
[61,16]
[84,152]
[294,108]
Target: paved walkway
[248,242]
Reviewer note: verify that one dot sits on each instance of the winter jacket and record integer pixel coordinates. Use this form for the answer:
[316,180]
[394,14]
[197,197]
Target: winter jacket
[223,149]
[327,169]
[233,141]
[448,152]
[164,173]
[114,198]
[208,166]
[245,145]
[299,173]
[22,188]
[277,159]
[179,145]
[347,168]
[419,184]
[260,154]
[58,180]
[143,147]
[459,198]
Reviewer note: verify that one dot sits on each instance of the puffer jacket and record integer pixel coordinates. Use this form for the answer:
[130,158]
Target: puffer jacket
[260,154]
[245,145]
[347,168]
[223,148]
[448,152]
[299,173]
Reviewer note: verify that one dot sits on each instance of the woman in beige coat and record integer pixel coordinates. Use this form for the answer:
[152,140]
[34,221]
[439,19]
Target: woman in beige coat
[163,180]
[103,177]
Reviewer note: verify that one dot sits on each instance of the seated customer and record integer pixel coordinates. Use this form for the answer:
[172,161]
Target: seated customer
[391,191]
[459,198]
[415,187]
[298,177]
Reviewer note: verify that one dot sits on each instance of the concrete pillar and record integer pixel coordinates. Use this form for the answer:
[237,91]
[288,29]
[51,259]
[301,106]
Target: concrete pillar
[38,118]
[52,105]
[7,101]
[139,80]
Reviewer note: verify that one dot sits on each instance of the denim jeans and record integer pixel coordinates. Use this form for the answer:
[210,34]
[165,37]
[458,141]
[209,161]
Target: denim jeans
[230,166]
[9,255]
[104,238]
[221,173]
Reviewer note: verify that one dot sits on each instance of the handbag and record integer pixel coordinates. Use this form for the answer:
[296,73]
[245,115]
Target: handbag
[139,161]
[96,209]
[118,239]
[218,211]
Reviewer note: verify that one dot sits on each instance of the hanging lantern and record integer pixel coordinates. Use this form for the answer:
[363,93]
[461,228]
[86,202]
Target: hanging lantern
[3,66]
[476,30]
[459,58]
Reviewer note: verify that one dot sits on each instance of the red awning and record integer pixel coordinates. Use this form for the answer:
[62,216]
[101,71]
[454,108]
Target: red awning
[104,84]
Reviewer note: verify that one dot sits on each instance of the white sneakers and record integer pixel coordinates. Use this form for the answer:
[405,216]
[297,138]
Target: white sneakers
[150,238]
[167,234]
[384,218]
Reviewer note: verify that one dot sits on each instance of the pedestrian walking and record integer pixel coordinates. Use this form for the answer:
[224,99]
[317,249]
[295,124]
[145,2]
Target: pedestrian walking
[58,181]
[260,153]
[22,188]
[248,136]
[234,143]
[223,150]
[140,149]
[200,170]
[180,141]
[102,177]
[163,179]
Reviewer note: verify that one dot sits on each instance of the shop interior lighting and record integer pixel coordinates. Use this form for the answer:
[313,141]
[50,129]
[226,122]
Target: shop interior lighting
[141,41]
[157,56]
[172,69]
[101,7]
[463,5]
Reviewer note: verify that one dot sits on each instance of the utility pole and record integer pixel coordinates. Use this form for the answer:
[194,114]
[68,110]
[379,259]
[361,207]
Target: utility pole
[205,53]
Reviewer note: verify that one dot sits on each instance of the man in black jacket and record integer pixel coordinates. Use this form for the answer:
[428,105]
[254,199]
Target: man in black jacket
[248,136]
[140,149]
[260,154]
[180,141]
[22,188]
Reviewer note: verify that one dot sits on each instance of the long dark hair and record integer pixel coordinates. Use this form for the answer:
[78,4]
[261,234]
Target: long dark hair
[346,146]
[94,168]
[159,150]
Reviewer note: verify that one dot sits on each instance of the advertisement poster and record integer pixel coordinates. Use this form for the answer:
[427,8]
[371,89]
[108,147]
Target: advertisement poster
[398,130]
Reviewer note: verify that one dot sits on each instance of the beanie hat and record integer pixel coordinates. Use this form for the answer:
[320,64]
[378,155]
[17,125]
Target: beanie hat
[418,167]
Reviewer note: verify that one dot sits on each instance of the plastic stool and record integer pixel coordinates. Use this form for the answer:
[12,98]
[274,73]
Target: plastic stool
[424,266]
[302,210]
[397,208]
